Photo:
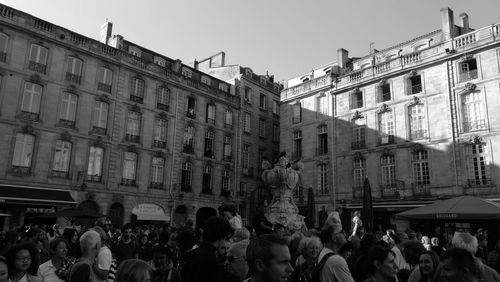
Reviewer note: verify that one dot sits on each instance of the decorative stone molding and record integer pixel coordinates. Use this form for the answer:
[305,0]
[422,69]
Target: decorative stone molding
[160,154]
[382,82]
[385,108]
[476,139]
[135,108]
[469,87]
[162,115]
[27,129]
[417,147]
[386,152]
[357,115]
[65,136]
[103,98]
[71,89]
[35,78]
[98,142]
[132,148]
[416,101]
[358,156]
[412,73]
[466,57]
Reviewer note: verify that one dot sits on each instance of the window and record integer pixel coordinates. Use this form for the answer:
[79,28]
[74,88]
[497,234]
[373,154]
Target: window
[205,80]
[248,95]
[478,165]
[163,98]
[188,139]
[297,145]
[160,61]
[322,104]
[322,140]
[74,72]
[100,117]
[160,133]
[31,100]
[467,70]
[474,117]
[276,133]
[129,168]
[187,73]
[228,152]
[68,110]
[211,113]
[207,180]
[262,128]
[104,79]
[137,90]
[243,189]
[62,155]
[418,128]
[94,169]
[322,179]
[4,40]
[415,84]
[359,134]
[228,119]
[223,87]
[359,166]
[383,92]
[420,164]
[356,100]
[247,123]
[388,168]
[263,101]
[386,127]
[191,107]
[297,113]
[133,126]
[276,107]
[23,150]
[157,171]
[245,156]
[38,58]
[209,144]
[186,177]
[134,51]
[226,179]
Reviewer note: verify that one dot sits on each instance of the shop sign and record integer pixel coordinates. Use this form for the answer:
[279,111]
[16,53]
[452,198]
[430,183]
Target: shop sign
[446,215]
[149,212]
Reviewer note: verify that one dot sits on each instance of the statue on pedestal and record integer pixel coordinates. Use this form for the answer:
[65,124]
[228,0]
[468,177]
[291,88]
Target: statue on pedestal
[283,177]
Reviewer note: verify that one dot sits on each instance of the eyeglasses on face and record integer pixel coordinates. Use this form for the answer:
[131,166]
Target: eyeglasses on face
[23,258]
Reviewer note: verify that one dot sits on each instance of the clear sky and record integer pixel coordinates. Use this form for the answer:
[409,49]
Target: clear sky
[285,37]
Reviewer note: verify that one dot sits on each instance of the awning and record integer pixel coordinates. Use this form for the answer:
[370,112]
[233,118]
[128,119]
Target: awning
[390,205]
[13,194]
[150,212]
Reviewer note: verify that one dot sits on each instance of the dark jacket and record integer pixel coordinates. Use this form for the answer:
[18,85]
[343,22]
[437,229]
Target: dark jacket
[200,265]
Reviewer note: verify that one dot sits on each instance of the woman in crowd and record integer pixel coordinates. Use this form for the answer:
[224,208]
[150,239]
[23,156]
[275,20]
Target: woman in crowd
[23,261]
[133,270]
[71,236]
[427,265]
[145,248]
[57,268]
[4,270]
[378,265]
[309,249]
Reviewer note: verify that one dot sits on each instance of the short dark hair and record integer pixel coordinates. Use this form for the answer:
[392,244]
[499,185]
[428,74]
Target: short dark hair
[412,251]
[34,253]
[366,262]
[326,233]
[462,259]
[54,243]
[260,248]
[216,228]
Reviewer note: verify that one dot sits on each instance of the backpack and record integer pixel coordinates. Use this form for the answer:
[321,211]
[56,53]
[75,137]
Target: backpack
[316,273]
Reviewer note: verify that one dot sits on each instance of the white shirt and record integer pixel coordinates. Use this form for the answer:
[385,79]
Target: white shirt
[104,259]
[335,268]
[47,272]
[400,259]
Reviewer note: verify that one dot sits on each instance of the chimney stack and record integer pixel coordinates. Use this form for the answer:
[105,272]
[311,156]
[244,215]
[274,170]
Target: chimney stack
[106,30]
[447,25]
[342,57]
[464,18]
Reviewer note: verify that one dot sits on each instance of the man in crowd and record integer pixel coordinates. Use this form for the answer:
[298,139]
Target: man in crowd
[268,259]
[236,264]
[335,267]
[82,270]
[104,257]
[125,248]
[458,265]
[399,239]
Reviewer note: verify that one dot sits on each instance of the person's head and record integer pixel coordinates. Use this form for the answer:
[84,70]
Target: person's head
[412,251]
[482,241]
[381,262]
[222,249]
[459,265]
[427,263]
[357,213]
[127,232]
[133,270]
[58,248]
[35,235]
[90,243]
[162,256]
[143,239]
[268,258]
[70,235]
[330,237]
[399,238]
[279,229]
[312,247]
[435,241]
[4,270]
[426,240]
[228,212]
[236,263]
[102,233]
[241,234]
[465,241]
[216,229]
[23,258]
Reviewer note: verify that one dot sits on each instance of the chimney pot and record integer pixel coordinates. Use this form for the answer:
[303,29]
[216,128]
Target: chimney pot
[447,25]
[464,18]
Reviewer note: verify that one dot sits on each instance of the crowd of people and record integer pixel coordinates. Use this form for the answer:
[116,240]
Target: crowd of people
[223,250]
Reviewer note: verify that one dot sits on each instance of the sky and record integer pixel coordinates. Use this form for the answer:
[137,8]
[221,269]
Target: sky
[285,38]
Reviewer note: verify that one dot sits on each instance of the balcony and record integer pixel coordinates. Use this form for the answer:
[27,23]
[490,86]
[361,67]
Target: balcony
[469,75]
[418,134]
[357,145]
[132,138]
[67,123]
[321,151]
[387,139]
[421,189]
[71,77]
[104,87]
[34,66]
[389,191]
[357,192]
[211,120]
[3,57]
[227,158]
[20,170]
[208,153]
[190,113]
[479,182]
[188,149]
[160,144]
[156,185]
[225,193]
[29,116]
[475,125]
[93,178]
[128,182]
[98,130]
[186,187]
[59,174]
[163,107]
[206,190]
[136,99]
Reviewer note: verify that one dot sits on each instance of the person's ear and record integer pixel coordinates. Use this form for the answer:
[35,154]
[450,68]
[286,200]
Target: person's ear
[259,265]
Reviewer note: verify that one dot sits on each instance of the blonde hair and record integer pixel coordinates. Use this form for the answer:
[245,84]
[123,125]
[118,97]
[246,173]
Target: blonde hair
[132,270]
[465,241]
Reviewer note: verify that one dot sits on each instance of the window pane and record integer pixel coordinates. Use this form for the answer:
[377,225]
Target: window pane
[23,150]
[95,161]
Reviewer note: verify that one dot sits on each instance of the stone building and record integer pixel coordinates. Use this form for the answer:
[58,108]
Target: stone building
[110,126]
[418,119]
[258,130]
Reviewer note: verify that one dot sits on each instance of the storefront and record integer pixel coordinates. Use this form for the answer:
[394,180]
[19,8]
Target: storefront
[23,203]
